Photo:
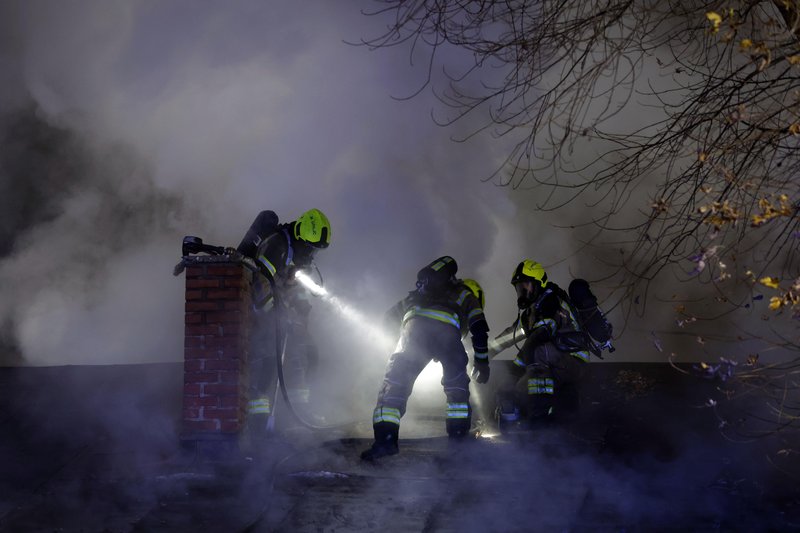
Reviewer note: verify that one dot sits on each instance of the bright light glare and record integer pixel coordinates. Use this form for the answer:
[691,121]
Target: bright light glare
[309,283]
[430,377]
[365,326]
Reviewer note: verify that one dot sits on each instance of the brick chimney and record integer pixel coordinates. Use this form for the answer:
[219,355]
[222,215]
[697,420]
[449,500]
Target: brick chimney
[215,353]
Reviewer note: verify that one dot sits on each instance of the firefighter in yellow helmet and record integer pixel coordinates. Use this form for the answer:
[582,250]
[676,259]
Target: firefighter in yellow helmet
[433,319]
[552,351]
[280,250]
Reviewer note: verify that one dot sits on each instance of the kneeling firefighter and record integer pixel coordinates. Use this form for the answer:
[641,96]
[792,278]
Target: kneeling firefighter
[279,251]
[432,319]
[553,356]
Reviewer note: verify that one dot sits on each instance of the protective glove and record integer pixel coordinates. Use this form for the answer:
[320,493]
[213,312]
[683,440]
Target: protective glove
[480,371]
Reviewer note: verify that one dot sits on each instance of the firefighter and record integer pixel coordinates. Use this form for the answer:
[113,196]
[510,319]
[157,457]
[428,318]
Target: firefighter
[553,355]
[432,320]
[280,250]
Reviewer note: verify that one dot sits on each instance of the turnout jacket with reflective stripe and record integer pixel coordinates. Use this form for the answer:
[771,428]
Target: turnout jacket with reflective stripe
[457,307]
[550,318]
[276,256]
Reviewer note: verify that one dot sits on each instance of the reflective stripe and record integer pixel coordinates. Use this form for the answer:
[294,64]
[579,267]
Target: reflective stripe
[264,261]
[510,417]
[461,297]
[483,356]
[457,410]
[441,316]
[259,406]
[519,362]
[583,355]
[540,386]
[547,323]
[565,306]
[386,414]
[475,312]
[437,265]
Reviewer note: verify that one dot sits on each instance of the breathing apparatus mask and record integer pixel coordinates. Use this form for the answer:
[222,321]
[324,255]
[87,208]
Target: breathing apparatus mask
[527,292]
[303,255]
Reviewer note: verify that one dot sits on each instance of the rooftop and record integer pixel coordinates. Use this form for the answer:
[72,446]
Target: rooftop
[96,448]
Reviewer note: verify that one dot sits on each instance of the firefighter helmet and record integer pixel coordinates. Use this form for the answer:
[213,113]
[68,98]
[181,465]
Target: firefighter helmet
[313,228]
[529,270]
[476,289]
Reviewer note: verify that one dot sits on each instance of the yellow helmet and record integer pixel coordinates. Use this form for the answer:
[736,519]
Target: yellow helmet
[530,270]
[476,289]
[313,228]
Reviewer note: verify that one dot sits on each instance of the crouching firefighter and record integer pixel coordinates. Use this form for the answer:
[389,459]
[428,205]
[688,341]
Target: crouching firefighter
[282,307]
[432,320]
[555,350]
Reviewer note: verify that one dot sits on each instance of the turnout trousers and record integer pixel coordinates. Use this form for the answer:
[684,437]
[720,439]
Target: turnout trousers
[549,381]
[299,363]
[421,340]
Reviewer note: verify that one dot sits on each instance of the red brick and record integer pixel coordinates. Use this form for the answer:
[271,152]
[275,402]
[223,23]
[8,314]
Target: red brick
[195,271]
[233,330]
[193,412]
[194,318]
[221,390]
[231,343]
[225,317]
[214,341]
[231,426]
[207,329]
[220,414]
[203,306]
[229,377]
[193,342]
[193,365]
[201,377]
[224,364]
[194,295]
[200,401]
[201,353]
[232,401]
[201,425]
[223,294]
[240,283]
[203,283]
[235,305]
[192,389]
[224,270]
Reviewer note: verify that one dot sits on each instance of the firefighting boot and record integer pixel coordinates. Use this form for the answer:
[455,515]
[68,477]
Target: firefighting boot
[458,429]
[507,418]
[507,413]
[386,435]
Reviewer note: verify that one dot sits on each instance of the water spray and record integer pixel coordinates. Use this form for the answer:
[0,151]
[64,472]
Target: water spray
[346,311]
[430,375]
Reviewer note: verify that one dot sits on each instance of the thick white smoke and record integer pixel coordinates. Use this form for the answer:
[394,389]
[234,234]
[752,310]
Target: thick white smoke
[223,111]
[189,118]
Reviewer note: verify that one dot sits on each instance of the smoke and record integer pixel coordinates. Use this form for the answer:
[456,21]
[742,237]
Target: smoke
[195,117]
[137,123]
[127,125]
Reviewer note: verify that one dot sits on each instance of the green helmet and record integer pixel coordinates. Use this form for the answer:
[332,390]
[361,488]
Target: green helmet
[476,289]
[313,228]
[530,270]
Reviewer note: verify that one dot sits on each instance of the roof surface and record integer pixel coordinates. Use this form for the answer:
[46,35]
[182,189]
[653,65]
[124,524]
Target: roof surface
[96,449]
